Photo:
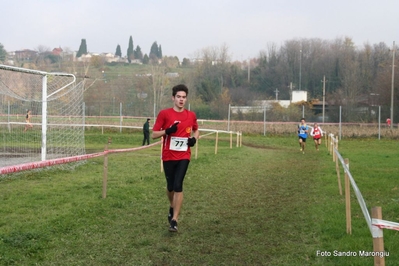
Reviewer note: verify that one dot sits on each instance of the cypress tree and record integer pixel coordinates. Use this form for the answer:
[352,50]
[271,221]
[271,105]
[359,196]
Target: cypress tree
[82,48]
[130,52]
[138,54]
[118,51]
[3,53]
[160,52]
[146,59]
[154,50]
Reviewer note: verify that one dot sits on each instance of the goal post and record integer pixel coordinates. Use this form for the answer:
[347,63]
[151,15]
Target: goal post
[54,126]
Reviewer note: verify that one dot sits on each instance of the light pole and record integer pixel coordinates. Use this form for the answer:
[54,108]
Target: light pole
[393,79]
[300,68]
[324,95]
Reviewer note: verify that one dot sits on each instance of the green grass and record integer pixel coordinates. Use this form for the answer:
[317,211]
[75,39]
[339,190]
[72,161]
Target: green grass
[262,204]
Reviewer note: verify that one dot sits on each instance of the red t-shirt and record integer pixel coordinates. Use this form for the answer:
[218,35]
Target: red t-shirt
[175,145]
[316,133]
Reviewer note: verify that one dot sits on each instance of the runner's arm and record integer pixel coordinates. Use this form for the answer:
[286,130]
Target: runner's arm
[158,134]
[196,134]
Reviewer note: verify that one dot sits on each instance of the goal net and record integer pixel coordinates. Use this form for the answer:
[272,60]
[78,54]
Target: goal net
[41,116]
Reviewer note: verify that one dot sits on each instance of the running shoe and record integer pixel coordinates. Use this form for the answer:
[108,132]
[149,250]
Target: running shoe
[173,226]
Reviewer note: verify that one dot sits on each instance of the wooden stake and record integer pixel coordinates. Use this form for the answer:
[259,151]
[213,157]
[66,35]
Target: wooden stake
[378,242]
[327,142]
[338,177]
[326,139]
[105,176]
[231,139]
[348,200]
[332,150]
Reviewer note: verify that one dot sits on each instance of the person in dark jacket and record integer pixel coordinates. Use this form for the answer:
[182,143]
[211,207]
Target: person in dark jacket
[146,132]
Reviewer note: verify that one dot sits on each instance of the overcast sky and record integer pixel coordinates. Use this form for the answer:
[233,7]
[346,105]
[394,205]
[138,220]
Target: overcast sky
[183,27]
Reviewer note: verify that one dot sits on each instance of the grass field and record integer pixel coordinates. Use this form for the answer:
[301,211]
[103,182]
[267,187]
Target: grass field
[262,204]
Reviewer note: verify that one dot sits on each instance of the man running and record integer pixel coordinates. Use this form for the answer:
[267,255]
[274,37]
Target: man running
[179,129]
[317,134]
[303,130]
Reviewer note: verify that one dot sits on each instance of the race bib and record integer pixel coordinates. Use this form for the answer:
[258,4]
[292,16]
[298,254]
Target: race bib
[178,144]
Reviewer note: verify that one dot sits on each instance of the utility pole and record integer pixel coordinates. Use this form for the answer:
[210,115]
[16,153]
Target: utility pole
[393,79]
[324,95]
[276,91]
[300,68]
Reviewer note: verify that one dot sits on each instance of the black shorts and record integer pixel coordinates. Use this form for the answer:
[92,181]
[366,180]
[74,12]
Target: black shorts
[316,138]
[174,174]
[303,139]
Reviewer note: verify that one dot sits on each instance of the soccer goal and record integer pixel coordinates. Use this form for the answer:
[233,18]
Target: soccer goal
[41,116]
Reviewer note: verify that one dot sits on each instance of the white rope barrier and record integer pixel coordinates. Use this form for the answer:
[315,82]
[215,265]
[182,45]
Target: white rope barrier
[359,195]
[46,163]
[373,224]
[41,164]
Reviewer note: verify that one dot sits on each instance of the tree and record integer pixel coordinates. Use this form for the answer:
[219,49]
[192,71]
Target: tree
[160,52]
[45,57]
[186,62]
[211,74]
[97,61]
[82,48]
[138,54]
[170,62]
[3,53]
[118,51]
[146,59]
[130,52]
[154,51]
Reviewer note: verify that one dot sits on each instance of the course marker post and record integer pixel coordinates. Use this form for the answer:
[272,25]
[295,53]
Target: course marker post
[348,200]
[378,238]
[337,169]
[105,176]
[326,139]
[332,150]
[231,139]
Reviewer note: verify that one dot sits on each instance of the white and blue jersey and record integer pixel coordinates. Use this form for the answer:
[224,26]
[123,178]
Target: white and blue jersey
[301,131]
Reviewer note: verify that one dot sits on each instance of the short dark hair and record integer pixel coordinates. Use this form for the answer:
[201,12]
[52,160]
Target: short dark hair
[180,87]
